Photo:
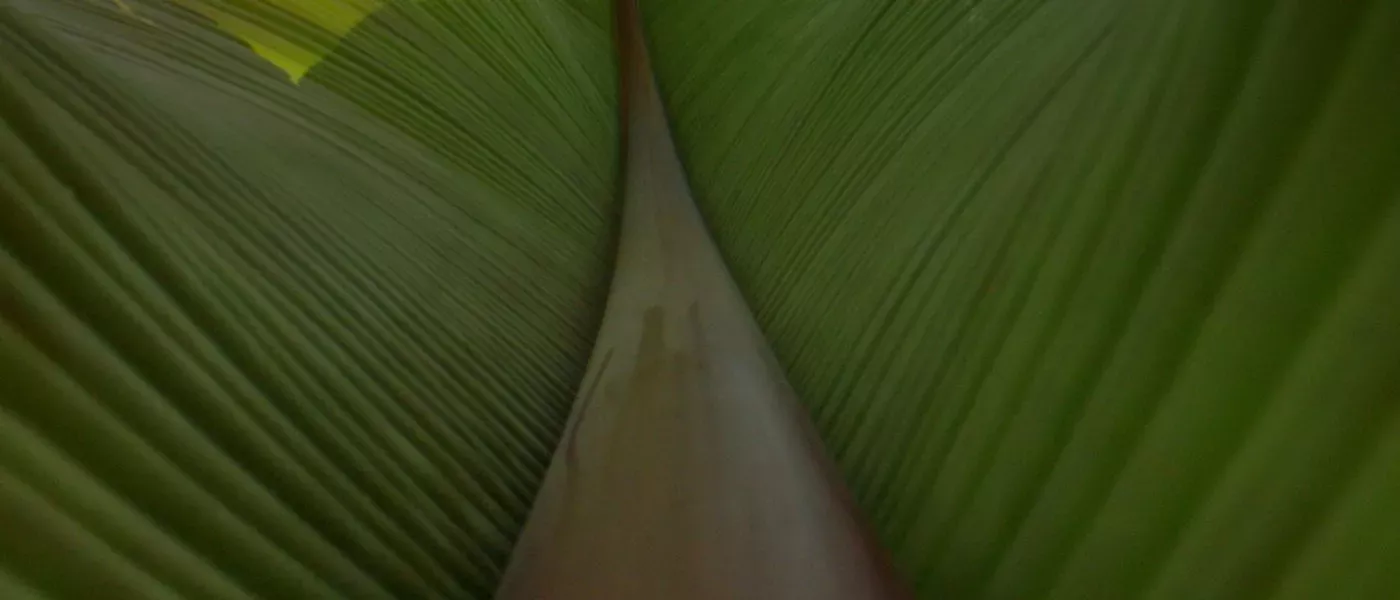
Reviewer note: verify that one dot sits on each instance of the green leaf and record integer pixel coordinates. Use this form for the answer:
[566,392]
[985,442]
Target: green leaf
[1088,298]
[272,340]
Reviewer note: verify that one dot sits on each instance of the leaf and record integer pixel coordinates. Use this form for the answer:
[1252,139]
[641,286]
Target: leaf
[264,340]
[1090,299]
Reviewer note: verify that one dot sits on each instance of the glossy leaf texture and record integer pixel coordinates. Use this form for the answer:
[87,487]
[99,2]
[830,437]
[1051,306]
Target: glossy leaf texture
[1090,299]
[270,340]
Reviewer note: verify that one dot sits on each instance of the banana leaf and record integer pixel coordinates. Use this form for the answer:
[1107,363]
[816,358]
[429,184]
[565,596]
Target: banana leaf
[1086,298]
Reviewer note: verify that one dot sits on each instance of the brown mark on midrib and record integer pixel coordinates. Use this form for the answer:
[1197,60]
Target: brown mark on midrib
[697,332]
[586,401]
[651,346]
[651,349]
